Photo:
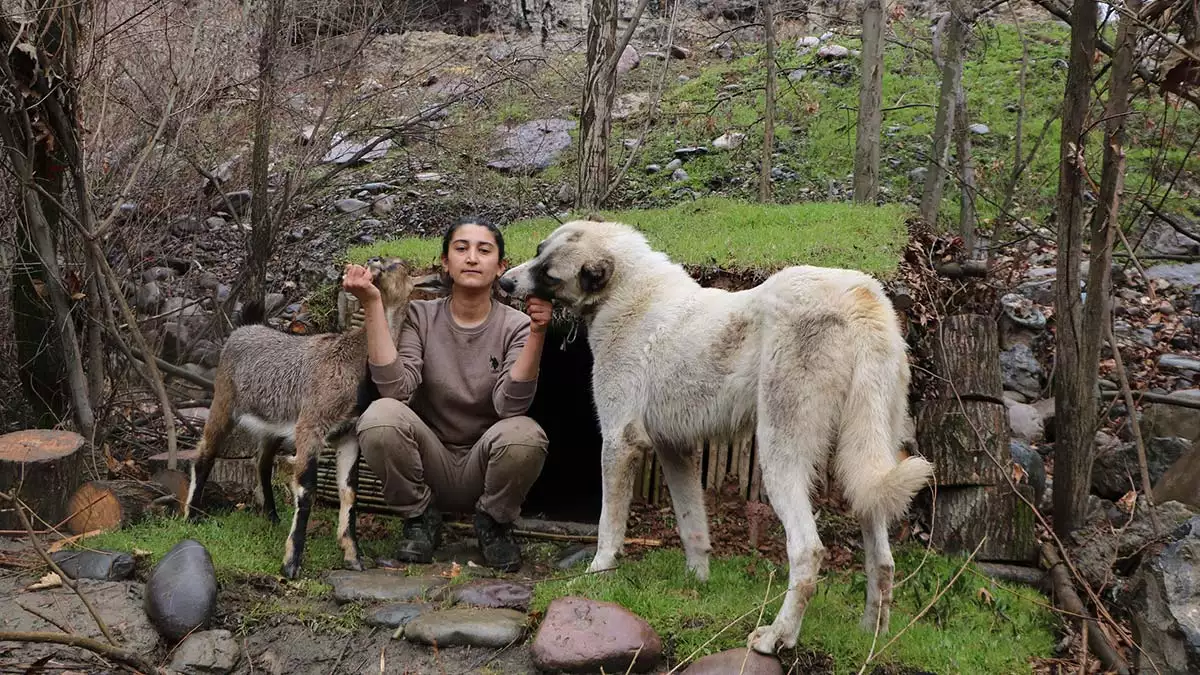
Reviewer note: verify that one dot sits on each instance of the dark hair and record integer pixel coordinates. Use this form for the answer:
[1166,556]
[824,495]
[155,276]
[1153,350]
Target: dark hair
[472,220]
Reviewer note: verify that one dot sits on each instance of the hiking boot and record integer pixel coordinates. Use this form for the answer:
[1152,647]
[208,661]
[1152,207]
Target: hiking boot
[500,550]
[420,537]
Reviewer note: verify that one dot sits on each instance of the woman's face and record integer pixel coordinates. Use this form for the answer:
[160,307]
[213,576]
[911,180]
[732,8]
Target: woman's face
[473,259]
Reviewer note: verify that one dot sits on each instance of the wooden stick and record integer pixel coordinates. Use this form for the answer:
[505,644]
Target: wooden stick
[1131,416]
[1066,599]
[550,536]
[108,651]
[1165,399]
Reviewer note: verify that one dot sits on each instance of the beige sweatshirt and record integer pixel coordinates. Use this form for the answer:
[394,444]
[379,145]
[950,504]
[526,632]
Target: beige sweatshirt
[457,379]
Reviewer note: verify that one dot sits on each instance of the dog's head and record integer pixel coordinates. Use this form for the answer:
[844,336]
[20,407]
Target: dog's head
[577,265]
[393,277]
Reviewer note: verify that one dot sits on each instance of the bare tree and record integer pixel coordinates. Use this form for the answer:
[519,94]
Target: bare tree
[1076,351]
[870,113]
[764,176]
[954,25]
[595,113]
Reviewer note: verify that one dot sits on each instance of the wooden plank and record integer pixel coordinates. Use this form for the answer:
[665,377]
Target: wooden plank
[756,478]
[722,454]
[745,446]
[710,457]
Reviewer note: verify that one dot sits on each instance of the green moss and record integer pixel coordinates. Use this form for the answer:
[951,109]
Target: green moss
[977,626]
[731,234]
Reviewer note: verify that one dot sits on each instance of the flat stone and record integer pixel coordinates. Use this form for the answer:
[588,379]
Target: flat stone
[978,128]
[1178,362]
[350,205]
[395,614]
[97,564]
[532,146]
[1187,275]
[212,651]
[380,585]
[581,635]
[745,661]
[468,627]
[728,140]
[833,52]
[487,593]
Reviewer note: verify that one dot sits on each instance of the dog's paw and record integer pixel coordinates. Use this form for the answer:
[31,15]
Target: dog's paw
[869,621]
[764,640]
[601,564]
[699,568]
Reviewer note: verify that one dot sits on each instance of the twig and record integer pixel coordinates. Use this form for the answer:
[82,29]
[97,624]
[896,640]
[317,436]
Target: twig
[48,619]
[1131,416]
[553,536]
[70,583]
[727,626]
[95,646]
[1166,218]
[1069,600]
[1164,399]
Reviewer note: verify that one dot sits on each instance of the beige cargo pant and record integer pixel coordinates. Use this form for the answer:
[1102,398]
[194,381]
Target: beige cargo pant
[417,469]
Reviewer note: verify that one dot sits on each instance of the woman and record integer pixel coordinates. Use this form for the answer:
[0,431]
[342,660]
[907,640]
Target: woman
[450,431]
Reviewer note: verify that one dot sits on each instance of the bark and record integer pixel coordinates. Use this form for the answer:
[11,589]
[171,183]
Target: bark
[261,239]
[595,118]
[870,112]
[951,56]
[966,172]
[764,177]
[1076,352]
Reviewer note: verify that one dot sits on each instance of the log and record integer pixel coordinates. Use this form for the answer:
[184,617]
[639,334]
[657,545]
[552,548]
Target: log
[110,504]
[963,515]
[964,440]
[43,467]
[231,482]
[1066,599]
[966,355]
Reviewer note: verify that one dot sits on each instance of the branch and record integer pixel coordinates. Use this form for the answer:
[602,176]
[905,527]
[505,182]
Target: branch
[1164,399]
[1166,218]
[95,646]
[1133,424]
[1069,601]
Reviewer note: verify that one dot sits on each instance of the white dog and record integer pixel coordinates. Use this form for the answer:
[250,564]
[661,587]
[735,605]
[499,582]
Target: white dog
[812,360]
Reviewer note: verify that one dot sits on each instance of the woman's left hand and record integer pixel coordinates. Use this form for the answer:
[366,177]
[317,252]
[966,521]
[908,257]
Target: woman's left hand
[539,311]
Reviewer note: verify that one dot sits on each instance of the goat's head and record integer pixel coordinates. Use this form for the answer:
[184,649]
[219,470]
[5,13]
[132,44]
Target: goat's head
[393,277]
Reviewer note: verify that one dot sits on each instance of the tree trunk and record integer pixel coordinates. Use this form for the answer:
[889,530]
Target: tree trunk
[1076,353]
[261,237]
[110,504]
[966,171]
[870,113]
[595,117]
[768,149]
[943,126]
[44,467]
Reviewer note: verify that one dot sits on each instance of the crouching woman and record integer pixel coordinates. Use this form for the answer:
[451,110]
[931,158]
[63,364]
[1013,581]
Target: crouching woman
[449,433]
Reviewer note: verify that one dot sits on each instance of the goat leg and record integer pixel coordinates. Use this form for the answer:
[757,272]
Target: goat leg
[304,486]
[267,449]
[347,481]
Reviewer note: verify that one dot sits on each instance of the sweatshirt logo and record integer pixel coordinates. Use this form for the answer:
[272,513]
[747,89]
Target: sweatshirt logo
[495,364]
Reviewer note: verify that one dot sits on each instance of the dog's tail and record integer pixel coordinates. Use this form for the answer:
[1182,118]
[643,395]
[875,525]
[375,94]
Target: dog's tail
[875,422]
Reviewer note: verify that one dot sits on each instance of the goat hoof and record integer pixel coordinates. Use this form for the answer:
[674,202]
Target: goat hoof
[290,570]
[355,565]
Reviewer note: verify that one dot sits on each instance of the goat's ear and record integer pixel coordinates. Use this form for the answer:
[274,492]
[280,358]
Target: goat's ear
[594,276]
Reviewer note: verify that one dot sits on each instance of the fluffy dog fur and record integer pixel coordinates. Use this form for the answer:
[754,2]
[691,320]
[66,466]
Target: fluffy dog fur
[812,361]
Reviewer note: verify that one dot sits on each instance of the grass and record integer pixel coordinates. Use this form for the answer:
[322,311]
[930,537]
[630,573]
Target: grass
[728,233]
[976,627]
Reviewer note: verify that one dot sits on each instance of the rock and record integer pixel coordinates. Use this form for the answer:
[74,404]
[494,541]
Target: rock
[186,225]
[833,52]
[238,201]
[343,150]
[380,585]
[214,223]
[797,74]
[383,205]
[95,564]
[1025,422]
[722,50]
[396,614]
[679,175]
[918,175]
[428,177]
[205,352]
[1186,275]
[689,152]
[566,194]
[807,42]
[212,651]
[654,168]
[149,297]
[678,52]
[628,105]
[728,140]
[273,303]
[1179,363]
[1166,606]
[464,626]
[532,146]
[629,60]
[1031,462]
[674,164]
[488,593]
[1021,371]
[582,554]
[1021,311]
[744,660]
[376,188]
[578,634]
[175,338]
[1160,419]
[350,205]
[1108,547]
[1162,239]
[979,129]
[1115,470]
[181,593]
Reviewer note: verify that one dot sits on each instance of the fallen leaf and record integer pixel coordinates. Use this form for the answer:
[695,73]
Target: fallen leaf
[1018,472]
[51,580]
[1126,502]
[984,595]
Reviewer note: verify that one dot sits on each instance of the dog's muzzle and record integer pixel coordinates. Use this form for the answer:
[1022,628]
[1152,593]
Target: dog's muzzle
[508,285]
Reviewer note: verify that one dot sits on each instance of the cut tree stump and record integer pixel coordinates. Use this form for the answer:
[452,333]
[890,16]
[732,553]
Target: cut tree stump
[110,504]
[44,466]
[231,482]
[967,441]
[966,514]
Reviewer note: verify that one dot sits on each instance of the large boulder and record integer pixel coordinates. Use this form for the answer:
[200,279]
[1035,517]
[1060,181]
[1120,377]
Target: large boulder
[1165,596]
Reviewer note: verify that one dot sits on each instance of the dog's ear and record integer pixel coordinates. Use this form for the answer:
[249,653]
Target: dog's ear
[594,276]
